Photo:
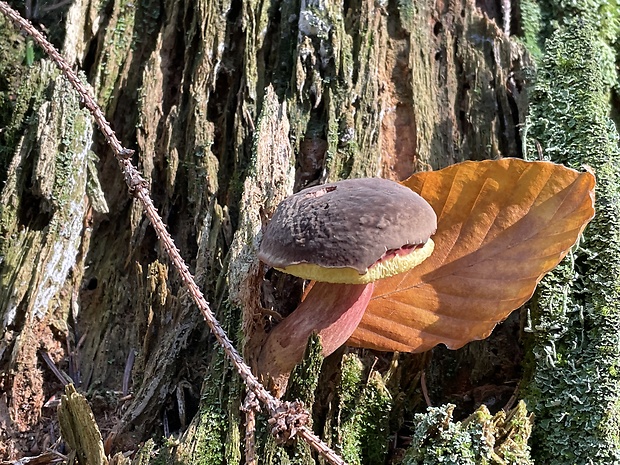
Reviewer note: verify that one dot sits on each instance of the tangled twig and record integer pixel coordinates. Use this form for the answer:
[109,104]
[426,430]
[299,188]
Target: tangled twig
[288,419]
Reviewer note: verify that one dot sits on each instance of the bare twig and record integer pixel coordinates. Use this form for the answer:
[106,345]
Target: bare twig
[286,415]
[425,389]
[62,377]
[131,358]
[512,401]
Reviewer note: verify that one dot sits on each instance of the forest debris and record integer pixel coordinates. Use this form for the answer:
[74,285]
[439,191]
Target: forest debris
[119,459]
[42,459]
[79,428]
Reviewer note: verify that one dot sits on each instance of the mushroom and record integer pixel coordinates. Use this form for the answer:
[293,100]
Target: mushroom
[344,236]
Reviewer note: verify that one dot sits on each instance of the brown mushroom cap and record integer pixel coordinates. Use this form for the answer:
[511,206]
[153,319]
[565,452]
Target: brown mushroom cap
[347,226]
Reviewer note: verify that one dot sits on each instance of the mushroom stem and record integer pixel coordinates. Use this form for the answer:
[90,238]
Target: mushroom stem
[333,311]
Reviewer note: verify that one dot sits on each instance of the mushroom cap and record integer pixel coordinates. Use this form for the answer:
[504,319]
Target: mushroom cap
[336,232]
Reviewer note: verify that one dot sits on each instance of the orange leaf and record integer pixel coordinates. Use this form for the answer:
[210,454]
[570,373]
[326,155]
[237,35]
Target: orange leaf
[501,226]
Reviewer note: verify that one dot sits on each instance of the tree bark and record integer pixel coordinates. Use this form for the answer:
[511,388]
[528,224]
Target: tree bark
[230,107]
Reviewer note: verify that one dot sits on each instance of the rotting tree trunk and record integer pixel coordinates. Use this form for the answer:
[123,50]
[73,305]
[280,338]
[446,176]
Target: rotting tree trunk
[359,89]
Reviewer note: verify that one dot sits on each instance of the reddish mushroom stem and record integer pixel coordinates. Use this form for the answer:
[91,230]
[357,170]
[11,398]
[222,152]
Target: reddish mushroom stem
[333,311]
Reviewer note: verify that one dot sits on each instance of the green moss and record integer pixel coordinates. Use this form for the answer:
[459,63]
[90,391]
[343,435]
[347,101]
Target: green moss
[145,454]
[74,137]
[305,376]
[513,431]
[359,432]
[572,378]
[544,18]
[349,389]
[302,385]
[374,414]
[118,41]
[603,15]
[365,407]
[43,195]
[351,374]
[21,92]
[12,70]
[208,440]
[208,429]
[407,11]
[531,25]
[58,154]
[214,435]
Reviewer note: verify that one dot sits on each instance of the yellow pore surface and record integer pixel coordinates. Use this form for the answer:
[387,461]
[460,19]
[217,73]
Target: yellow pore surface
[382,269]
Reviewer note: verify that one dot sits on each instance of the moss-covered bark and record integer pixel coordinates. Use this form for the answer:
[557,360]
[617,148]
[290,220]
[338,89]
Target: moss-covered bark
[573,382]
[359,89]
[43,206]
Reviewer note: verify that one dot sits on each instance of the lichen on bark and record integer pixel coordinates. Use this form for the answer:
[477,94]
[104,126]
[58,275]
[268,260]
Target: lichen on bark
[480,439]
[573,383]
[44,203]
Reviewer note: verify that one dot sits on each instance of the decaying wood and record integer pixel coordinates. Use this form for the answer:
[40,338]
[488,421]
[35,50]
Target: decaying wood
[376,89]
[287,419]
[79,428]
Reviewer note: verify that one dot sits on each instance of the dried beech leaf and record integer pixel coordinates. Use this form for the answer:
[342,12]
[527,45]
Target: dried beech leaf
[501,226]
